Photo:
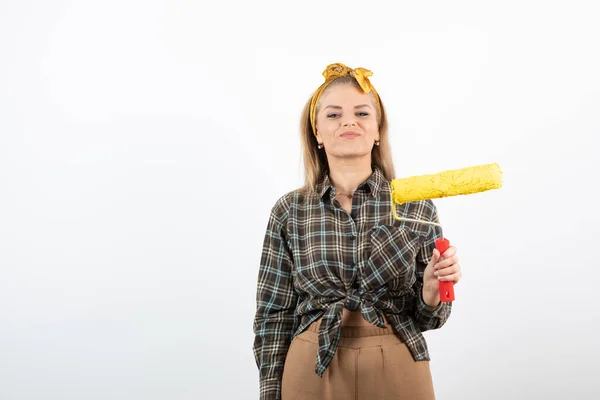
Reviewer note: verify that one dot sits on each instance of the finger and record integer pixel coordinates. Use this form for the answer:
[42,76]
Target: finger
[435,257]
[452,277]
[452,269]
[450,251]
[446,263]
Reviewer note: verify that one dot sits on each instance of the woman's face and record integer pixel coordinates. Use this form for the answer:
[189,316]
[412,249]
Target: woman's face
[347,121]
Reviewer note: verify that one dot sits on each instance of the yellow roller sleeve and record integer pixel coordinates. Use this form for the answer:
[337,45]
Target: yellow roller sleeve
[448,183]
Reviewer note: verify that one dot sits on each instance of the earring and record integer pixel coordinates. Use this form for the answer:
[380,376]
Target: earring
[377,143]
[320,146]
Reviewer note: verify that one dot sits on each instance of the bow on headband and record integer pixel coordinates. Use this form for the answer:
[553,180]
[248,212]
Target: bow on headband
[338,70]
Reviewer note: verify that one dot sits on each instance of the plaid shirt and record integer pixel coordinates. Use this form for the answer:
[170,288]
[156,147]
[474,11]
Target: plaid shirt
[317,259]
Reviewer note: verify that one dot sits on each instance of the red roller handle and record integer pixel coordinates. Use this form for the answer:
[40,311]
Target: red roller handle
[446,287]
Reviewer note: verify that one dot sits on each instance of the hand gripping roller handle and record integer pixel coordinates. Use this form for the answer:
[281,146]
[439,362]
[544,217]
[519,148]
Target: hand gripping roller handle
[446,287]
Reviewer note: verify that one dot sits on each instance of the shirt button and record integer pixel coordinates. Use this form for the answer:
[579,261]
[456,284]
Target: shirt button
[352,237]
[355,285]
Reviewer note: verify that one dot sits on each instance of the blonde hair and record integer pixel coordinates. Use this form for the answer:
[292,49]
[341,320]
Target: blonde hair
[315,159]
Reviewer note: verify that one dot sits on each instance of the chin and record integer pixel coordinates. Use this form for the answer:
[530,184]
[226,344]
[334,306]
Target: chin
[352,154]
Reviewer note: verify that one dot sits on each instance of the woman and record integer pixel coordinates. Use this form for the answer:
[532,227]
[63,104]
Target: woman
[345,290]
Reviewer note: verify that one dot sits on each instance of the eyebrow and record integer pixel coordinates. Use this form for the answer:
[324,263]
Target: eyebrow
[338,107]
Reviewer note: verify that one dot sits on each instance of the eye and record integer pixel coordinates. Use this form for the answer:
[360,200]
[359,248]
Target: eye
[362,113]
[332,115]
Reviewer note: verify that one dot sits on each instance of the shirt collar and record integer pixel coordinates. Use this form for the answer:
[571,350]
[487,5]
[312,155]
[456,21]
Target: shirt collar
[374,183]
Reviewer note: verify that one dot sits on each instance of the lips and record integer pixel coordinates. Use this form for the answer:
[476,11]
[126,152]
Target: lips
[349,134]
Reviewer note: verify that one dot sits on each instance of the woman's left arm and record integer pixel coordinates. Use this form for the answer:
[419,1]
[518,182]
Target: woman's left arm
[430,268]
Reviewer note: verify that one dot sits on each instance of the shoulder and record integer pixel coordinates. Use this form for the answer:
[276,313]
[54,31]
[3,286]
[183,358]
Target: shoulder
[421,209]
[429,208]
[288,201]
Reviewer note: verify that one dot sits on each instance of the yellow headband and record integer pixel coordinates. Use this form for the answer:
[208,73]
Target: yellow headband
[338,70]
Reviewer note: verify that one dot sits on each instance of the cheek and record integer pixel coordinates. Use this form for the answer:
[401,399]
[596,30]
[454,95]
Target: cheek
[327,128]
[371,126]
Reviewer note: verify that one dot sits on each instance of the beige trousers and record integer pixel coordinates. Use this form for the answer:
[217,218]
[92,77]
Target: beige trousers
[370,363]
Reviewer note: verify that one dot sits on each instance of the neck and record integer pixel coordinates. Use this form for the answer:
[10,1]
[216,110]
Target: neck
[347,175]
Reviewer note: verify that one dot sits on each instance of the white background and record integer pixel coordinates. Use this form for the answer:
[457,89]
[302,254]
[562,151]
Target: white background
[143,144]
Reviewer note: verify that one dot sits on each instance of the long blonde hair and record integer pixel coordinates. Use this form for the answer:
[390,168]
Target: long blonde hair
[315,159]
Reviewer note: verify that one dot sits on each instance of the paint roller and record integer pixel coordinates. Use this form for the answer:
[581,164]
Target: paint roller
[455,182]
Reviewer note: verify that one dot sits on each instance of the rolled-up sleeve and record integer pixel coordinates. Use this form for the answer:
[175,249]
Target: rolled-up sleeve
[275,321]
[428,317]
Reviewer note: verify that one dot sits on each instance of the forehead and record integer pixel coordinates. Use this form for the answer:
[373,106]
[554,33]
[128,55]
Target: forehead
[344,94]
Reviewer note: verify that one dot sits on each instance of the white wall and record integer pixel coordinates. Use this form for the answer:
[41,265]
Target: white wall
[142,145]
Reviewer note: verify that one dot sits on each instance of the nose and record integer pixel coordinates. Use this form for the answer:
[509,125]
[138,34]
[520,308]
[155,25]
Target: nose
[349,123]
